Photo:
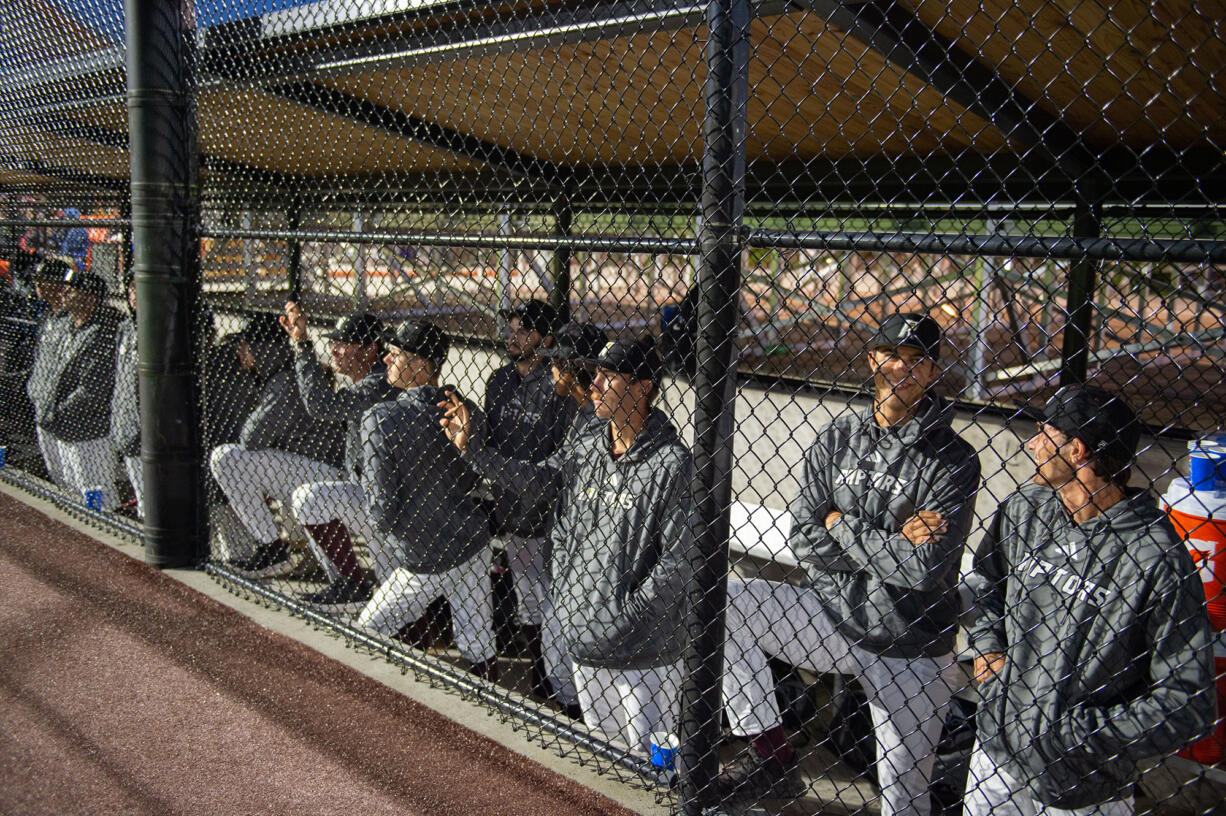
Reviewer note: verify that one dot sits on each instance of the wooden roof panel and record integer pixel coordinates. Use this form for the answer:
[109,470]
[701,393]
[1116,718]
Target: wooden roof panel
[29,144]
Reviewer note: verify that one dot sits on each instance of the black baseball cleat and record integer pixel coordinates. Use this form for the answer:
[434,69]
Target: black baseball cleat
[751,778]
[269,561]
[342,595]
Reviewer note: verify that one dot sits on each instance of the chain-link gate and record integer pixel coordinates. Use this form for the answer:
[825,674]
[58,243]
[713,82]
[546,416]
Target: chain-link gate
[803,407]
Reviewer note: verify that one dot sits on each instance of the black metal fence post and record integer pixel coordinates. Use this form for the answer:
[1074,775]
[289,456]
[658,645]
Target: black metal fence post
[293,271]
[165,232]
[560,265]
[1083,278]
[719,281]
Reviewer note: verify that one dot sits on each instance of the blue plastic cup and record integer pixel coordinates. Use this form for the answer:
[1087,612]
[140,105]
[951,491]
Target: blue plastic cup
[664,750]
[1206,467]
[93,498]
[4,455]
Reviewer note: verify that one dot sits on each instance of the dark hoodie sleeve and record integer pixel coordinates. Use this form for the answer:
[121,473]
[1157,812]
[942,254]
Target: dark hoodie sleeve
[986,634]
[892,558]
[534,483]
[813,544]
[1180,705]
[379,471]
[322,401]
[265,425]
[657,599]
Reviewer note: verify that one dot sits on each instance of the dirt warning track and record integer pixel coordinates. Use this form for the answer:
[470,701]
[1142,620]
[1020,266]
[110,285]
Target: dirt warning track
[122,691]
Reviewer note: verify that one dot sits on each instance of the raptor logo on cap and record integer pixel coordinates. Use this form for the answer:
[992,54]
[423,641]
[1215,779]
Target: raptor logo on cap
[607,347]
[909,323]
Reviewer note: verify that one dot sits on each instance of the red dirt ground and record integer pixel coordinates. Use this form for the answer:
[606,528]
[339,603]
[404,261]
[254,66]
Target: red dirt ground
[122,691]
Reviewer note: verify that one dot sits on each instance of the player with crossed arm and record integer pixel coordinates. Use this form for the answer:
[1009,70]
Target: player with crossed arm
[886,499]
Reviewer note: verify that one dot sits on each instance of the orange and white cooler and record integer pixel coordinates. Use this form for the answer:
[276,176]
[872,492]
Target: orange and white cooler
[1200,519]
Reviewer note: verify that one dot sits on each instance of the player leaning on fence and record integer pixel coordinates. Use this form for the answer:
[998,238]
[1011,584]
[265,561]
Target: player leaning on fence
[886,499]
[48,279]
[421,501]
[1090,627]
[125,407]
[618,549]
[329,510]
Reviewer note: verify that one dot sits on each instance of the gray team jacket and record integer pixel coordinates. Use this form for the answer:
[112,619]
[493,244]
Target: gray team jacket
[525,419]
[80,379]
[619,543]
[884,594]
[418,491]
[125,408]
[1107,645]
[347,404]
[279,421]
[40,387]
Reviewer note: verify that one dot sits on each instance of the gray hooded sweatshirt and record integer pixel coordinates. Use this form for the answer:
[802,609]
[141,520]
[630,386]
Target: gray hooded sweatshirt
[418,491]
[1108,658]
[125,407]
[40,387]
[347,404]
[619,541]
[80,379]
[885,594]
[279,421]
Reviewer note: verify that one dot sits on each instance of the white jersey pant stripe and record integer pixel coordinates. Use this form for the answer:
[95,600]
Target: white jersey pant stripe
[89,465]
[136,475]
[990,791]
[627,705]
[248,477]
[907,697]
[322,502]
[404,596]
[49,446]
[526,558]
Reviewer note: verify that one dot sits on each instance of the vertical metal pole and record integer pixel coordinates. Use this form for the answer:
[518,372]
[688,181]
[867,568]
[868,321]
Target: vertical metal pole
[719,282]
[251,281]
[165,232]
[505,264]
[559,269]
[980,319]
[293,269]
[1083,279]
[361,294]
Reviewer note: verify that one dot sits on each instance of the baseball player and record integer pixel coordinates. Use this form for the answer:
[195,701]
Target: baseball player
[525,419]
[75,410]
[618,547]
[280,447]
[329,510]
[48,276]
[125,407]
[886,499]
[1093,644]
[575,345]
[434,536]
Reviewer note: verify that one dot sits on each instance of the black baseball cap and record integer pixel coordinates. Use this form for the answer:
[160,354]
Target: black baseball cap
[910,330]
[262,327]
[534,315]
[1101,420]
[362,328]
[581,341]
[422,338]
[52,270]
[637,358]
[84,281]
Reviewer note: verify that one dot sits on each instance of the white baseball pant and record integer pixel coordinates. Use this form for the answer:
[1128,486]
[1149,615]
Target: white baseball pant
[49,446]
[990,791]
[136,475]
[526,558]
[404,596]
[629,704]
[90,465]
[556,655]
[322,502]
[907,697]
[248,477]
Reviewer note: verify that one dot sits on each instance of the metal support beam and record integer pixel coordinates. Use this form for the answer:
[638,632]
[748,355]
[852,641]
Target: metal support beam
[559,266]
[354,108]
[293,268]
[1083,280]
[719,281]
[165,228]
[894,32]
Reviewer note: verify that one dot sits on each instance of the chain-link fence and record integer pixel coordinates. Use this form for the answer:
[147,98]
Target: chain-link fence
[804,407]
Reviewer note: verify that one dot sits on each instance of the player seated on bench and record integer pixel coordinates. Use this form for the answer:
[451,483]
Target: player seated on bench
[279,448]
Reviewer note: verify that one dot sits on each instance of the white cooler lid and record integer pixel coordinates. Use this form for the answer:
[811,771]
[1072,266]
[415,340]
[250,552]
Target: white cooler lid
[1206,504]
